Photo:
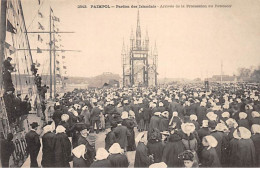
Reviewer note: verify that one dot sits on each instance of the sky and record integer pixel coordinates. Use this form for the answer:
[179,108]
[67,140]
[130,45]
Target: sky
[191,42]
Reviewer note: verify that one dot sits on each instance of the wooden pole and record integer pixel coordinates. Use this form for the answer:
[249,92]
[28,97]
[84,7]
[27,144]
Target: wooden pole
[50,58]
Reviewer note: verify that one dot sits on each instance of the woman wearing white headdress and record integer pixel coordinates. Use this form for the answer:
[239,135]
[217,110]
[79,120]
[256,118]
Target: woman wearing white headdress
[209,157]
[62,148]
[242,149]
[256,139]
[79,154]
[101,160]
[117,157]
[232,125]
[255,117]
[47,147]
[243,121]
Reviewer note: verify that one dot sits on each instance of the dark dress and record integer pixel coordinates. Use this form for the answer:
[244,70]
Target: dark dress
[101,164]
[121,133]
[118,160]
[242,153]
[209,158]
[62,150]
[172,149]
[141,156]
[110,140]
[256,140]
[79,162]
[129,123]
[48,149]
[164,124]
[155,148]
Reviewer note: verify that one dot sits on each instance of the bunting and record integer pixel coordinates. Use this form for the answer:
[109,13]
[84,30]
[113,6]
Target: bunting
[39,50]
[10,48]
[39,1]
[57,62]
[63,57]
[40,26]
[40,14]
[10,27]
[55,18]
[39,38]
[57,68]
[58,75]
[64,67]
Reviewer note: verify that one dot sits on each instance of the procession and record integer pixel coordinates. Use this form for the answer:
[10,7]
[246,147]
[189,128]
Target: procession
[80,87]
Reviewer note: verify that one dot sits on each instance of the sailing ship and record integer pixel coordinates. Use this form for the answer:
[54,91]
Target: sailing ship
[22,77]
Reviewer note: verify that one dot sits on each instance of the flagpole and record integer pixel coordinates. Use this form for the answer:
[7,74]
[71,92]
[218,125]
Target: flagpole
[2,40]
[54,65]
[50,59]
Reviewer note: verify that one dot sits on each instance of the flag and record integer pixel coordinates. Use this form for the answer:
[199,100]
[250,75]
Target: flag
[56,46]
[39,38]
[57,62]
[66,78]
[39,2]
[58,75]
[55,18]
[57,68]
[64,67]
[10,48]
[63,57]
[51,10]
[10,27]
[40,14]
[39,50]
[40,26]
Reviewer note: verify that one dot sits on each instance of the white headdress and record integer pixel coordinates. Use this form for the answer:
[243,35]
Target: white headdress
[211,141]
[60,129]
[79,151]
[242,133]
[101,154]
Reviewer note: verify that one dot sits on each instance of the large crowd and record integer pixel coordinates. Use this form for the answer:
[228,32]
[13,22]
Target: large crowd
[173,126]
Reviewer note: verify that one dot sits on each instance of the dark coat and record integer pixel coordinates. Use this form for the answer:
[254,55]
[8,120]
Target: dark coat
[91,153]
[172,149]
[256,140]
[244,123]
[201,113]
[94,115]
[255,121]
[222,143]
[121,133]
[118,160]
[209,158]
[164,124]
[32,141]
[202,132]
[110,140]
[7,148]
[62,150]
[154,123]
[48,149]
[82,140]
[141,156]
[101,164]
[79,162]
[242,153]
[155,148]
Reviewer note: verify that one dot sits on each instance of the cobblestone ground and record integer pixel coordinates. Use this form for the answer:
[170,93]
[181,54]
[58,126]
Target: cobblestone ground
[100,142]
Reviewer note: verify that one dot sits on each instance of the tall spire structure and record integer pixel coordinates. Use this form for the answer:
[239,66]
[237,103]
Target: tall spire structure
[132,39]
[146,41]
[138,32]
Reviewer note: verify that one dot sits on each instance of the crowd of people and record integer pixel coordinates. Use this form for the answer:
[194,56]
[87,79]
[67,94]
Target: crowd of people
[173,126]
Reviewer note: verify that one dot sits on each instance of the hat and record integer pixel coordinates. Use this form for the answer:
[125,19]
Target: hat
[242,115]
[225,115]
[141,136]
[255,114]
[158,165]
[47,128]
[161,104]
[242,133]
[186,155]
[135,102]
[255,129]
[231,123]
[124,115]
[9,58]
[211,140]
[157,113]
[65,117]
[91,139]
[84,132]
[115,149]
[60,129]
[125,101]
[165,114]
[79,151]
[188,128]
[175,114]
[221,127]
[205,123]
[131,113]
[101,154]
[193,117]
[34,125]
[211,116]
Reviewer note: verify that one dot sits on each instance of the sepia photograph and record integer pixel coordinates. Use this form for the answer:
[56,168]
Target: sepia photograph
[129,84]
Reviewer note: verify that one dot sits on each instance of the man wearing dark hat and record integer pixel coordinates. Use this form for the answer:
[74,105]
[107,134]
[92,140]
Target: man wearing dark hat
[33,144]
